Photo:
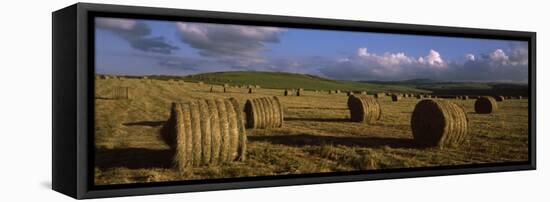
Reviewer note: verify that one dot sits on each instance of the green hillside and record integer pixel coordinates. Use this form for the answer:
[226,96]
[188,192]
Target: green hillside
[281,80]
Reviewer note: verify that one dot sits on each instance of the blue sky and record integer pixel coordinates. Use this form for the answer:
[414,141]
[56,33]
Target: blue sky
[146,47]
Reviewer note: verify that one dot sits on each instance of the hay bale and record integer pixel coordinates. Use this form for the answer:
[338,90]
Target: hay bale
[438,123]
[519,97]
[300,92]
[225,85]
[250,90]
[499,98]
[120,93]
[395,97]
[257,86]
[211,89]
[363,92]
[204,132]
[337,92]
[350,93]
[265,112]
[485,105]
[329,92]
[379,95]
[364,109]
[418,96]
[286,92]
[465,97]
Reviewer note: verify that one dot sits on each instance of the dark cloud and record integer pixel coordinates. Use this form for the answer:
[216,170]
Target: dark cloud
[136,33]
[236,45]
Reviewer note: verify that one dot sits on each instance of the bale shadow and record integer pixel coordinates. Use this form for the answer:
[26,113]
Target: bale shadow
[318,119]
[145,123]
[314,140]
[320,108]
[133,158]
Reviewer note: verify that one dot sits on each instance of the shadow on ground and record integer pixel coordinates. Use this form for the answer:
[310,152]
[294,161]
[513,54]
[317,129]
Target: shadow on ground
[315,140]
[133,158]
[318,119]
[145,123]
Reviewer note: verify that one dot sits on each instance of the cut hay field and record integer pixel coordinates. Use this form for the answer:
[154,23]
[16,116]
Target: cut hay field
[317,135]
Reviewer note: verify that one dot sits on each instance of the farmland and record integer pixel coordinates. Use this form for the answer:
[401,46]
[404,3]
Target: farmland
[316,136]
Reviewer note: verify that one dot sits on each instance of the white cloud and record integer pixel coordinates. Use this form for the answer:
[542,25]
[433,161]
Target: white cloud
[470,57]
[433,59]
[499,57]
[116,23]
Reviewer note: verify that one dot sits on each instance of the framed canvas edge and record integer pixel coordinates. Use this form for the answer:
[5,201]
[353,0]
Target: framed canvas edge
[85,118]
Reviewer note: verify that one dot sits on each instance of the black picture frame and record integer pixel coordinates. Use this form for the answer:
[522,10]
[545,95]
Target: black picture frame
[73,103]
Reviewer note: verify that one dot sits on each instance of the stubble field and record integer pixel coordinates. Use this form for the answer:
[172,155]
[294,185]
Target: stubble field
[316,137]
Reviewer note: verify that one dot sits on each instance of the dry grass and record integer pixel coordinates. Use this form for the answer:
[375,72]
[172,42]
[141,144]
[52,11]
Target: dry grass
[316,136]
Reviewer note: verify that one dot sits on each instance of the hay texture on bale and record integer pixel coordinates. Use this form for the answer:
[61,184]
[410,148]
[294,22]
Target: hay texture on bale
[485,105]
[438,123]
[364,109]
[205,132]
[499,98]
[120,93]
[265,112]
[395,97]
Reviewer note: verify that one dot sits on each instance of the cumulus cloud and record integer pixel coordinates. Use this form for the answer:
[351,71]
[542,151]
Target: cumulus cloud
[470,57]
[237,45]
[388,66]
[495,65]
[136,33]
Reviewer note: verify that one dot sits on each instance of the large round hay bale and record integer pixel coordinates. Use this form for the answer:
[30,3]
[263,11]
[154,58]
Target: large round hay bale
[364,109]
[204,132]
[266,112]
[395,98]
[485,105]
[438,123]
[499,98]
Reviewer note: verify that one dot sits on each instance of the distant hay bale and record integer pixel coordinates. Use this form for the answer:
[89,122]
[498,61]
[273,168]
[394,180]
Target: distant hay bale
[250,91]
[438,123]
[300,92]
[364,109]
[250,86]
[265,112]
[519,97]
[363,92]
[350,93]
[286,92]
[120,93]
[211,89]
[379,95]
[329,92]
[205,132]
[485,105]
[395,98]
[257,86]
[418,96]
[499,98]
[226,85]
[337,92]
[465,97]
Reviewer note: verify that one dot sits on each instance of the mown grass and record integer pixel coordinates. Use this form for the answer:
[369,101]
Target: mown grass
[316,137]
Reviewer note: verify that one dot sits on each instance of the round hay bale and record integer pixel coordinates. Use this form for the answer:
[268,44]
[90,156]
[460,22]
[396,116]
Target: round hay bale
[438,123]
[286,92]
[395,98]
[350,93]
[364,109]
[485,105]
[418,96]
[465,97]
[337,92]
[329,92]
[266,112]
[250,90]
[204,132]
[300,92]
[363,92]
[379,95]
[499,98]
[519,97]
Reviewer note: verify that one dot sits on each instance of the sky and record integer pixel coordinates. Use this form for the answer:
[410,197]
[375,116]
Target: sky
[151,47]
